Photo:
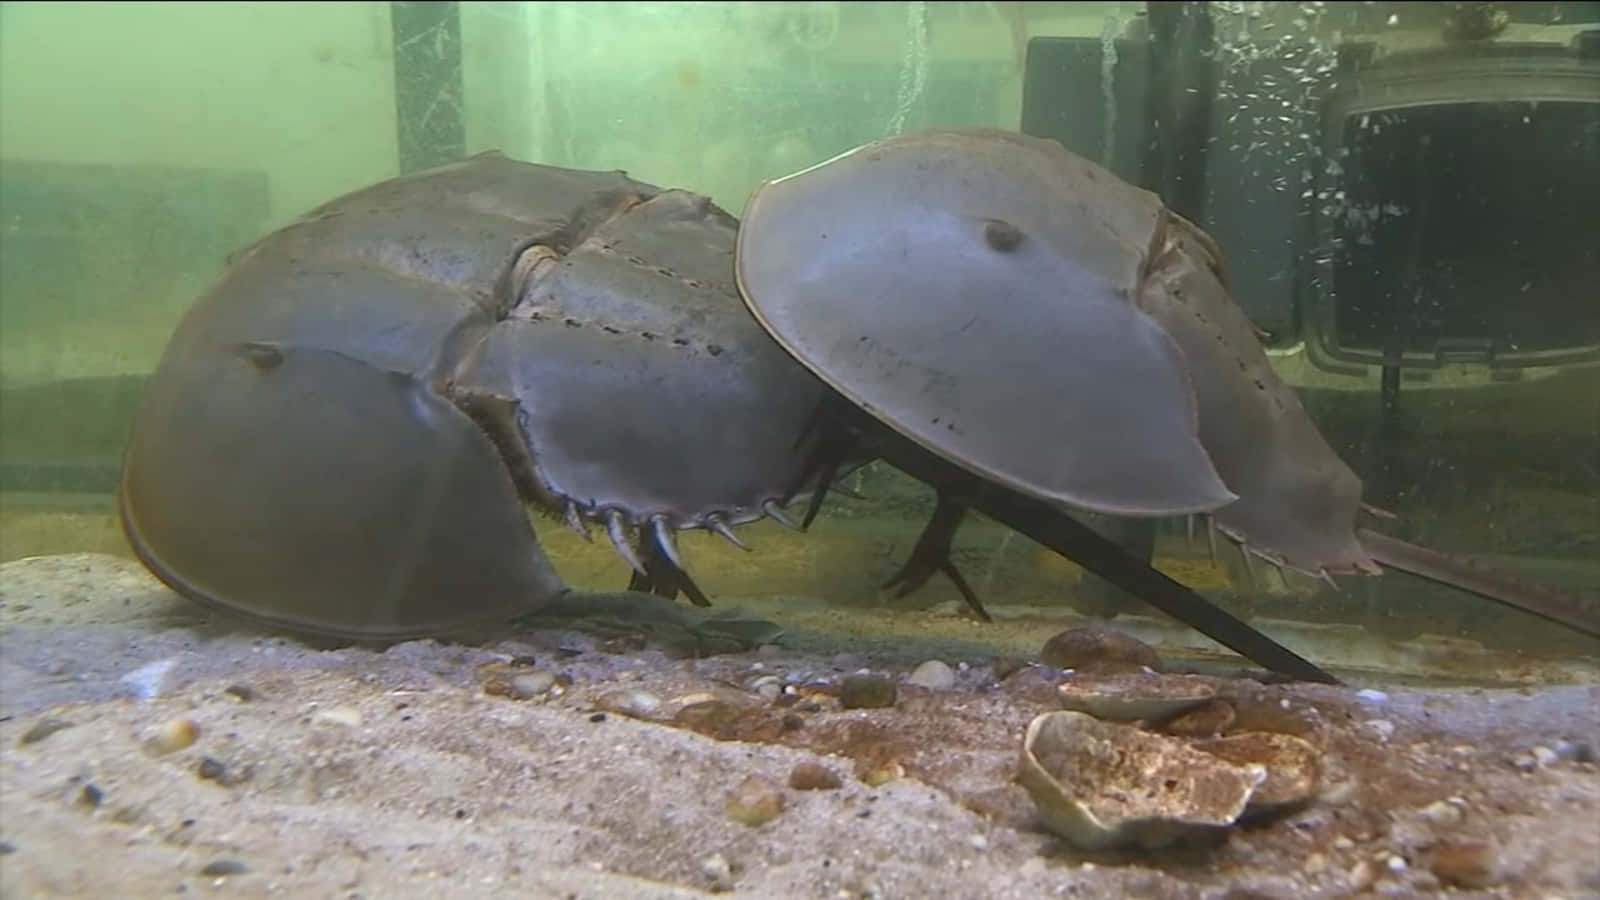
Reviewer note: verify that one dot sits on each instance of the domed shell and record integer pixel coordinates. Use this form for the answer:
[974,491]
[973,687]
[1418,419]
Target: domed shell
[974,291]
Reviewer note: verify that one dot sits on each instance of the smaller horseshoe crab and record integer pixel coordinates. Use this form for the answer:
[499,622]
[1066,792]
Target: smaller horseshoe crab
[992,304]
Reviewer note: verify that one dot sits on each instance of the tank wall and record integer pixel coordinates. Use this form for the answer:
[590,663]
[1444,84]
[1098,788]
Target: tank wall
[141,144]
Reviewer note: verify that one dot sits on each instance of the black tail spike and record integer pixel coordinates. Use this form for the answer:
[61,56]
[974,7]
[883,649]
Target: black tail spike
[1052,527]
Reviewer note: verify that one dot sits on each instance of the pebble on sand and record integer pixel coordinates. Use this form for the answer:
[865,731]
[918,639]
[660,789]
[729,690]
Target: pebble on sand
[1096,648]
[241,692]
[934,675]
[348,716]
[526,687]
[635,704]
[172,736]
[43,729]
[1464,864]
[756,801]
[811,776]
[866,692]
[211,770]
[219,868]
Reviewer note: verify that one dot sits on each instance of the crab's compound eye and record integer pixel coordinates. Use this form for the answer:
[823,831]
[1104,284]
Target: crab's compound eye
[265,357]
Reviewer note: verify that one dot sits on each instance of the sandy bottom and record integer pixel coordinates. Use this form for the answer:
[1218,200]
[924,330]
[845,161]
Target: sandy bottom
[153,749]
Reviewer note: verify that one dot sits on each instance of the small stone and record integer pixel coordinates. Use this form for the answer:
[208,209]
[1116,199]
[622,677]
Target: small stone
[172,736]
[635,704]
[1362,875]
[1343,843]
[1383,727]
[1524,762]
[1566,750]
[1465,864]
[221,868]
[769,687]
[1442,812]
[1096,648]
[756,801]
[978,842]
[347,716]
[1396,863]
[1206,720]
[1544,756]
[934,675]
[866,692]
[880,774]
[147,681]
[810,776]
[243,693]
[211,770]
[91,795]
[43,729]
[533,684]
[1315,863]
[716,868]
[713,718]
[1373,696]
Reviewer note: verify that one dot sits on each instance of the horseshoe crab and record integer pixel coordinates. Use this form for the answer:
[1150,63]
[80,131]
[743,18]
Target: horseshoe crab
[1023,322]
[342,432]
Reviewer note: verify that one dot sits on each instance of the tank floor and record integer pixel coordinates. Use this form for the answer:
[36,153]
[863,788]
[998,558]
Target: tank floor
[153,747]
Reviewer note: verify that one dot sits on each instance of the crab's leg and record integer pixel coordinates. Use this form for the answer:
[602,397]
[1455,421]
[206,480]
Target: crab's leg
[662,574]
[932,554]
[844,424]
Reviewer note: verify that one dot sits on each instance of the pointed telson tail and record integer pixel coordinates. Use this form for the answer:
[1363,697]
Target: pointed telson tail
[1562,607]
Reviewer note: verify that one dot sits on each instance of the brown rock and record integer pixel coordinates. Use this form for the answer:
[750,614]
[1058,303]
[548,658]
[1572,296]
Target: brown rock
[810,776]
[1466,864]
[866,692]
[1207,720]
[1096,648]
[756,801]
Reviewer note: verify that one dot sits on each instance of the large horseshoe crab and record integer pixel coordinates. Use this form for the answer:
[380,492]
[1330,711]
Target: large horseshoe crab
[1017,313]
[342,432]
